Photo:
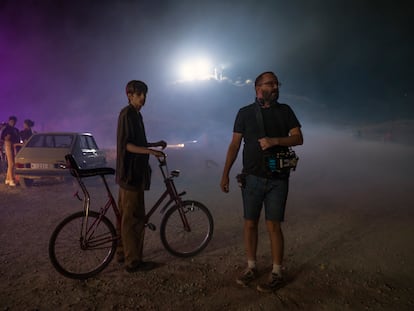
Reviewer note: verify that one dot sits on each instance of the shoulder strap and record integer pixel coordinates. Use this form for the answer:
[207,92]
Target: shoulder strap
[259,119]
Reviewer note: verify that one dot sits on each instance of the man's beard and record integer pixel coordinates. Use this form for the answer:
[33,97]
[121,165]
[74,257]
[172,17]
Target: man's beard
[270,96]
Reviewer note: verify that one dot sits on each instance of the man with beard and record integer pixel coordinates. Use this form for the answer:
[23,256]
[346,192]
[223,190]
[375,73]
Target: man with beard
[267,127]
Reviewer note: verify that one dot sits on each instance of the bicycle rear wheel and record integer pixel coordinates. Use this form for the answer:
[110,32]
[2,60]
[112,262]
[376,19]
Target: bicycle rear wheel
[79,257]
[183,242]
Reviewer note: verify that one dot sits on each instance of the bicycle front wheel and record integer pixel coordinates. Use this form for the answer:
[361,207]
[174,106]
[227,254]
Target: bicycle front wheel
[186,229]
[78,255]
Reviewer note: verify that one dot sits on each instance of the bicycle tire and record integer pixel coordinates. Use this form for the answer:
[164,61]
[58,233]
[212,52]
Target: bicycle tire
[176,239]
[77,261]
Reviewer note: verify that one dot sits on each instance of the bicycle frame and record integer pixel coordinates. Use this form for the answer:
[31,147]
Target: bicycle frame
[88,231]
[170,191]
[174,197]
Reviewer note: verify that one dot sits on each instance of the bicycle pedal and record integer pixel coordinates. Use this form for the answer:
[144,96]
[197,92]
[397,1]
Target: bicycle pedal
[151,226]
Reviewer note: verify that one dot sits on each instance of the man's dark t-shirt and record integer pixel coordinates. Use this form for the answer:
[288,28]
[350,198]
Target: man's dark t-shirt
[132,170]
[13,132]
[278,120]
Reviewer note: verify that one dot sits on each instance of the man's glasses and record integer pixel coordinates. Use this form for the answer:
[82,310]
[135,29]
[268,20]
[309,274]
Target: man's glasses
[272,83]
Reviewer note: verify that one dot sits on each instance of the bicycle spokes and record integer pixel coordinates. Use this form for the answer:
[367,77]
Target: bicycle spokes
[78,255]
[96,241]
[186,229]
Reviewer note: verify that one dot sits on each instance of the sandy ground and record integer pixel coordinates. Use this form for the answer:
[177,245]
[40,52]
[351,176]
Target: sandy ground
[349,229]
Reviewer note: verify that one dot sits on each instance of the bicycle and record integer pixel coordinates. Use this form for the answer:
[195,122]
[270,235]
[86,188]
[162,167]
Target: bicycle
[84,243]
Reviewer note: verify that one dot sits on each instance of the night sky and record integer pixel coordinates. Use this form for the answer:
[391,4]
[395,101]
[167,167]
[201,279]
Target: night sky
[65,64]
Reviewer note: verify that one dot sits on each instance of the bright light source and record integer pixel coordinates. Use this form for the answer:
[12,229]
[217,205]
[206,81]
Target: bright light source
[176,146]
[199,69]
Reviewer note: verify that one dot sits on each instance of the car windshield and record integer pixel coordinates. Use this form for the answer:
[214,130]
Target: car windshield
[50,141]
[87,142]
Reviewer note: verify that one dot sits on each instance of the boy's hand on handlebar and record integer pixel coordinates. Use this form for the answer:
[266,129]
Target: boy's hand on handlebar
[158,154]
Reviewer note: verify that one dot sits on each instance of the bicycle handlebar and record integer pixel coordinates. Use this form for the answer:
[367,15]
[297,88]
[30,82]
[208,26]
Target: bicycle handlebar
[164,168]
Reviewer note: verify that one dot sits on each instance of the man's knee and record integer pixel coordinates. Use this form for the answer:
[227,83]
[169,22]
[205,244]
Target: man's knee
[273,226]
[250,224]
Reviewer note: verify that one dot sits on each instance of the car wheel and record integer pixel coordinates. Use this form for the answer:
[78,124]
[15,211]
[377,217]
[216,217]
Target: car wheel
[26,182]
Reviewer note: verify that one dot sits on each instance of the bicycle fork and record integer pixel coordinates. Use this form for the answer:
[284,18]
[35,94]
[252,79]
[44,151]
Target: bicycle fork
[177,199]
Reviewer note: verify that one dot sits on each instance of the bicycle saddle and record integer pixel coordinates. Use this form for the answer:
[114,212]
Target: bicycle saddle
[78,172]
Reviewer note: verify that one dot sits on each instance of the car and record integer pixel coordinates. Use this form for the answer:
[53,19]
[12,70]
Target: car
[43,155]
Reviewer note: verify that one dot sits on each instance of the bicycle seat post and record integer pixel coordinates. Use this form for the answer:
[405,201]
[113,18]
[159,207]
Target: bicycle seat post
[86,196]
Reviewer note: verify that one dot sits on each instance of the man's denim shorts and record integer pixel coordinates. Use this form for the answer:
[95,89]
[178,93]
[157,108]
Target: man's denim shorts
[270,192]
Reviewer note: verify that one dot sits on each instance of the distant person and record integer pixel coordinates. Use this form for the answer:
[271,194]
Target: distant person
[2,155]
[2,126]
[259,187]
[27,131]
[133,174]
[10,136]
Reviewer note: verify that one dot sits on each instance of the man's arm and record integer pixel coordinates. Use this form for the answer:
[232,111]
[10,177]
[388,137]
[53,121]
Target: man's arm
[295,138]
[230,158]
